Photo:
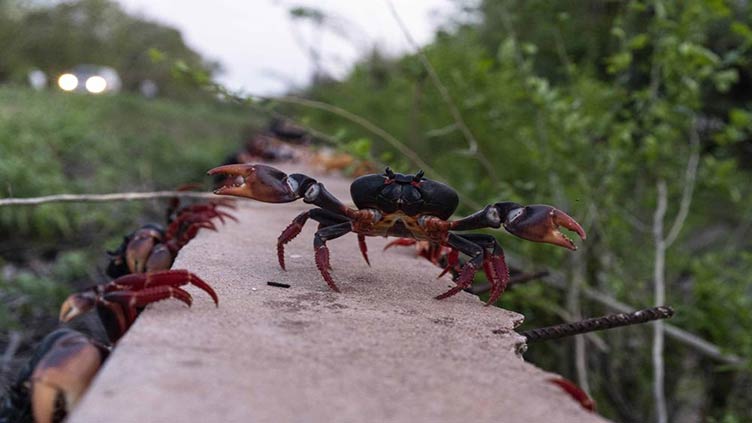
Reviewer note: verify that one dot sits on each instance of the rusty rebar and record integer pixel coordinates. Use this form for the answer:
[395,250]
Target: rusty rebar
[598,323]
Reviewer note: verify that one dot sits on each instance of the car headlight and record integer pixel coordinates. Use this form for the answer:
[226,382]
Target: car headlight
[96,84]
[67,82]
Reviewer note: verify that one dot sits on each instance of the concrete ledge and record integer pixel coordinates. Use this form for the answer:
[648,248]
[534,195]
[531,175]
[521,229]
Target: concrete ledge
[382,350]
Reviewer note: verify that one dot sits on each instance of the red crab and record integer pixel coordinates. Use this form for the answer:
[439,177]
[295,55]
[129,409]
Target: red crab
[65,362]
[119,302]
[152,248]
[442,256]
[405,206]
[54,379]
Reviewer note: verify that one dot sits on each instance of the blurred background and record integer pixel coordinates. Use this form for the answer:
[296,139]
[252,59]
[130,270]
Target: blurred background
[632,116]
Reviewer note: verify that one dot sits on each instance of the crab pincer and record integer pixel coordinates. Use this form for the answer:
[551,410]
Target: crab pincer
[541,223]
[257,181]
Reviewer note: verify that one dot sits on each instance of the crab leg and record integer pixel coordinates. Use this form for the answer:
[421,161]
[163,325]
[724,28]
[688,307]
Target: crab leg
[495,266]
[131,302]
[325,219]
[322,251]
[465,279]
[172,278]
[363,248]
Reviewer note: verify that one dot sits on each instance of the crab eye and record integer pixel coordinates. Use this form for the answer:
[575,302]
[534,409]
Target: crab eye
[312,192]
[514,214]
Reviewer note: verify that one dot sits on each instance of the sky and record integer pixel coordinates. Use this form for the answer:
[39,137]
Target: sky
[263,51]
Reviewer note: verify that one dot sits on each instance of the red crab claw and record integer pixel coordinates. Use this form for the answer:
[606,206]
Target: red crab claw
[138,249]
[540,223]
[63,372]
[161,258]
[257,181]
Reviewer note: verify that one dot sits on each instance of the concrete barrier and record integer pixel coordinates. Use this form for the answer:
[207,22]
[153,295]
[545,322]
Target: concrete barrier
[381,350]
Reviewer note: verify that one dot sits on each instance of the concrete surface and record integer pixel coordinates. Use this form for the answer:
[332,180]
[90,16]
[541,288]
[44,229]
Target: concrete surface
[382,350]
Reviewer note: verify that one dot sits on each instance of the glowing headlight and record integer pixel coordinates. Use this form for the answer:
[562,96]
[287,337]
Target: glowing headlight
[96,84]
[67,82]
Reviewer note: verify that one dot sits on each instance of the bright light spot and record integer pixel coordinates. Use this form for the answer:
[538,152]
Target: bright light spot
[67,82]
[96,84]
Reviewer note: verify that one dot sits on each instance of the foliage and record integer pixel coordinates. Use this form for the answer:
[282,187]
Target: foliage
[587,105]
[85,144]
[52,143]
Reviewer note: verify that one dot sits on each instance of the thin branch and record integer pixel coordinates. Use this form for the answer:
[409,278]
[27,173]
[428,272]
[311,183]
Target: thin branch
[690,177]
[472,142]
[659,286]
[101,198]
[14,342]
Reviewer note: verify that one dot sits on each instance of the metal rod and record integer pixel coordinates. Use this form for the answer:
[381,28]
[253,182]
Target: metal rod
[598,323]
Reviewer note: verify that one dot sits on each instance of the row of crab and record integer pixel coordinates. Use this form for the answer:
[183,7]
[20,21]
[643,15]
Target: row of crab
[409,207]
[65,362]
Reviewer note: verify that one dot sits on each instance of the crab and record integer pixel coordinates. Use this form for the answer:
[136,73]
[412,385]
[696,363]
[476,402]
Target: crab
[120,301]
[442,256]
[54,379]
[153,248]
[404,206]
[65,362]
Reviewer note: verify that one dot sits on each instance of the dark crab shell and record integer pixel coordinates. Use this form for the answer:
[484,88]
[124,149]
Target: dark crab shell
[409,194]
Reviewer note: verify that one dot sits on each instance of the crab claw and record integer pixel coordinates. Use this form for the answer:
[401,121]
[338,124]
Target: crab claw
[66,364]
[540,223]
[139,248]
[77,304]
[257,181]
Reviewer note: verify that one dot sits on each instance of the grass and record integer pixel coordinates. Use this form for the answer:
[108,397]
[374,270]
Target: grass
[51,143]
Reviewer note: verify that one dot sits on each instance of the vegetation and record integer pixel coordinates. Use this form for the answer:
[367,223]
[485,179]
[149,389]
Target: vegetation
[54,143]
[632,116]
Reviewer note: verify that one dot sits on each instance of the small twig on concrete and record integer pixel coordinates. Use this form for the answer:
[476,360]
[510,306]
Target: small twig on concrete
[598,323]
[278,284]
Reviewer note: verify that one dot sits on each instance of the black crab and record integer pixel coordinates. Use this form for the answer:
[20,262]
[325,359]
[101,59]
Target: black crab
[405,206]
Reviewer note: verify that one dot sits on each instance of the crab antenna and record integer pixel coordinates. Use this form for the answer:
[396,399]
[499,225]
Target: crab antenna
[418,176]
[388,173]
